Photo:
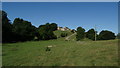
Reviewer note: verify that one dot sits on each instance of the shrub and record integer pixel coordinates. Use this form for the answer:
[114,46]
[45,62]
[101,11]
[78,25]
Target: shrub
[48,49]
[63,34]
[73,31]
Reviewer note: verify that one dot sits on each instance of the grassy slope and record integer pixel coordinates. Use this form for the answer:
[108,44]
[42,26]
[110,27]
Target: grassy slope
[58,32]
[63,53]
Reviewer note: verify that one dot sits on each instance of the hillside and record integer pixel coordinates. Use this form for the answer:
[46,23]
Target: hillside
[62,53]
[71,37]
[58,32]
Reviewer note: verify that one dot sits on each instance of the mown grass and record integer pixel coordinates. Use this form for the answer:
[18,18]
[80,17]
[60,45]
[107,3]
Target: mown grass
[63,53]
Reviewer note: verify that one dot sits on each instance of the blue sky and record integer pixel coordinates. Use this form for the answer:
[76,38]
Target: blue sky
[60,0]
[71,14]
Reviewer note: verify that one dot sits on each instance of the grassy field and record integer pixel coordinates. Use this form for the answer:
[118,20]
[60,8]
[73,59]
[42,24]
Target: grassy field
[63,53]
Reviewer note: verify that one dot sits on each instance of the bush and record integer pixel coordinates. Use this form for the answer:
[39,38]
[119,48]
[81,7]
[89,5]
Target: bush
[73,31]
[7,33]
[106,35]
[48,49]
[63,34]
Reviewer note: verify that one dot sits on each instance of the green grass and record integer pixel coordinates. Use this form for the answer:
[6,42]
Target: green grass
[58,32]
[0,54]
[73,38]
[63,53]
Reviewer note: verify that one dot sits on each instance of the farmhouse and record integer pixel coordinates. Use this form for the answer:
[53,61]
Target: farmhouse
[63,29]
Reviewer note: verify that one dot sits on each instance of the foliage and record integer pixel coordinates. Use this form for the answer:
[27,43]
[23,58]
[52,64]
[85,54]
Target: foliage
[64,34]
[90,34]
[118,35]
[53,26]
[7,33]
[23,30]
[47,49]
[80,33]
[106,35]
[59,32]
[46,32]
[73,30]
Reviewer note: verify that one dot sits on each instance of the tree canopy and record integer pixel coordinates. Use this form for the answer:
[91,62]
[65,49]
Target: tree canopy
[7,33]
[22,30]
[90,34]
[46,31]
[106,35]
[80,33]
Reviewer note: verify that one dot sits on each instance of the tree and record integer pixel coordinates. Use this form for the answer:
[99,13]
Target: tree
[118,35]
[53,26]
[23,30]
[80,33]
[73,30]
[91,34]
[7,33]
[106,35]
[45,32]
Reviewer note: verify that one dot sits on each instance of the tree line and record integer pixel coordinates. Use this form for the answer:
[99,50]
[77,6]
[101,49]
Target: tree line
[91,34]
[22,30]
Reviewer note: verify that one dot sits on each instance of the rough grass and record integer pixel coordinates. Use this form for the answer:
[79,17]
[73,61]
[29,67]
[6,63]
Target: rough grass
[63,53]
[58,32]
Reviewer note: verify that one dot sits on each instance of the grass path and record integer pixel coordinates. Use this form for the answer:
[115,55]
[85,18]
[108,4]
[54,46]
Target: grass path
[68,37]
